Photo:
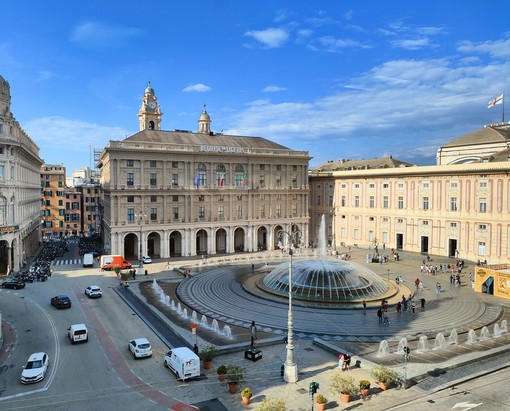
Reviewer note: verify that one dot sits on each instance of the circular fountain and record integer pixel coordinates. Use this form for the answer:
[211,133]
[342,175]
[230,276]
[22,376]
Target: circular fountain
[327,279]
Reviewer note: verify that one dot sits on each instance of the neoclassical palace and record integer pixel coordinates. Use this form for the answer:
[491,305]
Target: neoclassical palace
[184,193]
[20,189]
[458,208]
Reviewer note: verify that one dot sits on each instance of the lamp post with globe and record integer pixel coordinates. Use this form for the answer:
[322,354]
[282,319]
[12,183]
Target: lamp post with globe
[290,370]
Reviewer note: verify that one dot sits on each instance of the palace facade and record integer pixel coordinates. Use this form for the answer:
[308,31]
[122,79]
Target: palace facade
[184,193]
[20,189]
[460,209]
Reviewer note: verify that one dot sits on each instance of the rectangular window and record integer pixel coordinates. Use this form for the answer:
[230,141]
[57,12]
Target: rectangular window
[239,211]
[262,211]
[318,200]
[425,222]
[278,181]
[262,166]
[262,181]
[386,202]
[175,179]
[221,212]
[278,167]
[453,203]
[130,163]
[294,181]
[2,171]
[356,201]
[482,227]
[330,201]
[175,212]
[278,210]
[153,163]
[130,215]
[201,212]
[154,214]
[130,181]
[175,164]
[483,205]
[175,198]
[343,201]
[154,199]
[371,185]
[201,198]
[371,202]
[400,202]
[294,209]
[153,179]
[425,203]
[453,225]
[483,184]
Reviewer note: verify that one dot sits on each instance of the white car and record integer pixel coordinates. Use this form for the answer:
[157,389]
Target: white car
[146,259]
[93,291]
[35,368]
[140,347]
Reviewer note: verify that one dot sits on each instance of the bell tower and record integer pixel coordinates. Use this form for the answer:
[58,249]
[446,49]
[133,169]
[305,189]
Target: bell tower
[150,113]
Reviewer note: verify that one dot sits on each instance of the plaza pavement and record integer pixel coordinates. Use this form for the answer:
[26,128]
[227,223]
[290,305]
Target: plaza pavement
[458,308]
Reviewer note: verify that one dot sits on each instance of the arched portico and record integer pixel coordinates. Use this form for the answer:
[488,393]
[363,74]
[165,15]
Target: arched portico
[239,244]
[201,242]
[262,238]
[175,244]
[153,249]
[221,241]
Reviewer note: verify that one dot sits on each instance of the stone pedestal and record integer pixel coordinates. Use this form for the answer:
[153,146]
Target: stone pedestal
[253,355]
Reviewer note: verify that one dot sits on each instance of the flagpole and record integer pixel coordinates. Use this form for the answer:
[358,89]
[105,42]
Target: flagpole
[503,106]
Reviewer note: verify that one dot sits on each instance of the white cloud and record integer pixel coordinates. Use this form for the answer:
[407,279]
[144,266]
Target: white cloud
[498,48]
[100,34]
[412,44]
[334,45]
[270,38]
[196,88]
[58,135]
[273,89]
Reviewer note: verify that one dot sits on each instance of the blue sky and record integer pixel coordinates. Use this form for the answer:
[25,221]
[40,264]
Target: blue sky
[339,79]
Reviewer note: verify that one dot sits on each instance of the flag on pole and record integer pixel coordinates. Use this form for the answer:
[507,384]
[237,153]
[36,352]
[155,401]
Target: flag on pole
[196,180]
[222,180]
[497,100]
[243,181]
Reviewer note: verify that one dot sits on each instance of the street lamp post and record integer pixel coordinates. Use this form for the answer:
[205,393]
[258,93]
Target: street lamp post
[140,251]
[290,367]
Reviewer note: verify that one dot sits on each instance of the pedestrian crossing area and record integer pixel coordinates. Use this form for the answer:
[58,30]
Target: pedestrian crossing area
[69,261]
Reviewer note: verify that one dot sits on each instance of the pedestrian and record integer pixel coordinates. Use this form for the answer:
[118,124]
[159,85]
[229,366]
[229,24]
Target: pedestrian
[399,307]
[413,306]
[379,314]
[422,301]
[341,361]
[385,316]
[405,304]
[346,363]
[458,280]
[417,282]
[364,307]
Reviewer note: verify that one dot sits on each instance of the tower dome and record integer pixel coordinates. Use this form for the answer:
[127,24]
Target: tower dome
[204,122]
[149,89]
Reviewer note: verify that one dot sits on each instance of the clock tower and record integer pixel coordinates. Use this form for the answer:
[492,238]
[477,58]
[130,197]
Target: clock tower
[150,113]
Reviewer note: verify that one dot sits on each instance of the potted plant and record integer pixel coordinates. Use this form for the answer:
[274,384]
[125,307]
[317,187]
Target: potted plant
[322,401]
[124,276]
[384,376]
[345,386]
[207,355]
[222,371]
[246,395]
[235,376]
[272,404]
[364,386]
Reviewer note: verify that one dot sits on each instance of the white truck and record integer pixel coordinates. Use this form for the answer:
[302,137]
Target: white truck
[184,363]
[88,260]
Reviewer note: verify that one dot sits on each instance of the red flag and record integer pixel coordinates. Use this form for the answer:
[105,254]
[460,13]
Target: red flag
[497,100]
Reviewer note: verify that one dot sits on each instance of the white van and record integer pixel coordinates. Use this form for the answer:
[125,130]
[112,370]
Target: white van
[88,260]
[78,333]
[183,362]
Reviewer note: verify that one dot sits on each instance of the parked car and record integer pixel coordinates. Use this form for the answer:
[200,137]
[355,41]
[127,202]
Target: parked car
[61,301]
[146,259]
[93,291]
[140,347]
[14,284]
[35,368]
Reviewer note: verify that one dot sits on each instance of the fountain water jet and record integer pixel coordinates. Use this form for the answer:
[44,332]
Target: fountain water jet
[185,313]
[384,349]
[423,344]
[497,331]
[439,342]
[215,326]
[173,305]
[194,317]
[484,334]
[453,338]
[227,332]
[401,344]
[472,337]
[504,326]
[203,321]
[179,309]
